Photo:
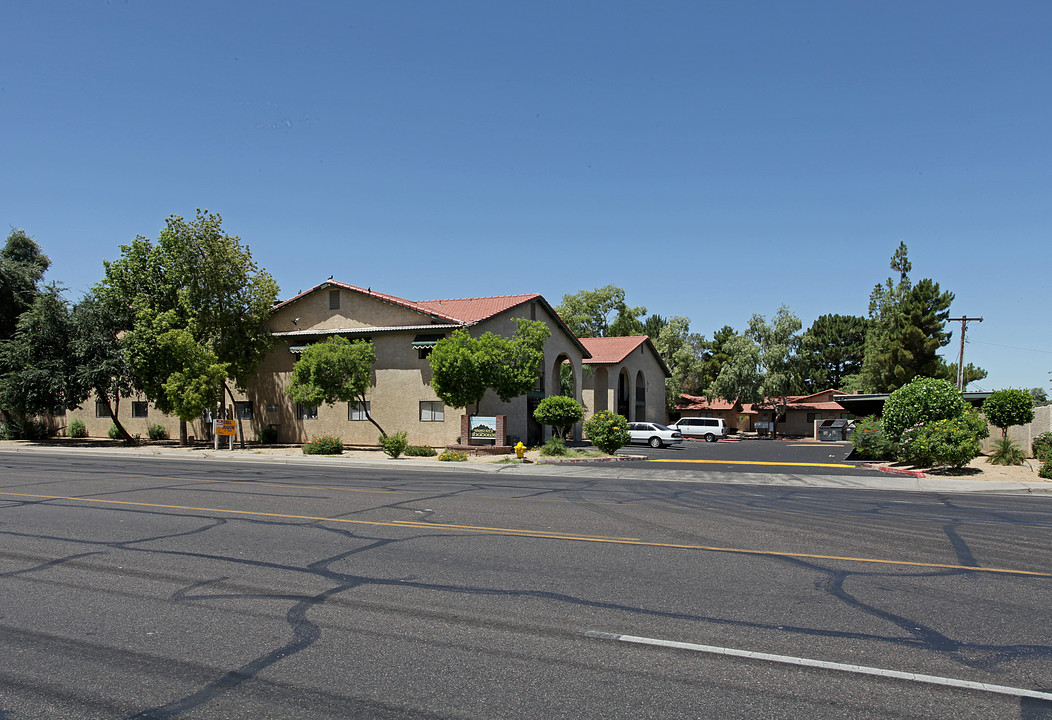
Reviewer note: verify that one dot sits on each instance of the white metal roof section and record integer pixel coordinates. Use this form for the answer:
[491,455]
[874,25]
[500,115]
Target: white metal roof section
[365,330]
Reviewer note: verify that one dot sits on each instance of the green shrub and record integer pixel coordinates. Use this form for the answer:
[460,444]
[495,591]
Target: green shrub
[114,432]
[453,456]
[924,400]
[554,447]
[870,442]
[560,412]
[1005,408]
[394,445]
[1046,468]
[156,431]
[607,431]
[1042,445]
[420,451]
[323,445]
[77,429]
[267,435]
[953,441]
[1006,452]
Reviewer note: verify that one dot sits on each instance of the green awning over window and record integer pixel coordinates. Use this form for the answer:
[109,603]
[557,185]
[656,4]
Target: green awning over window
[426,341]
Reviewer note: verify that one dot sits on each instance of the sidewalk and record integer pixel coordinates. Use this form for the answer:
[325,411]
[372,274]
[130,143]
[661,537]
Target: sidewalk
[612,470]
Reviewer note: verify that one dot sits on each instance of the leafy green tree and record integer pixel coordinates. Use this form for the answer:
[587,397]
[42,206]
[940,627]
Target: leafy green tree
[100,363]
[464,367]
[831,349]
[740,379]
[198,279]
[653,325]
[778,342]
[336,370]
[713,358]
[972,373]
[1005,408]
[560,412]
[683,352]
[195,381]
[1039,396]
[601,313]
[22,268]
[905,332]
[762,364]
[36,368]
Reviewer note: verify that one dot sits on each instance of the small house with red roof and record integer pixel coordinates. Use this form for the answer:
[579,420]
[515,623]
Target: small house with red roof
[798,418]
[625,375]
[738,417]
[801,412]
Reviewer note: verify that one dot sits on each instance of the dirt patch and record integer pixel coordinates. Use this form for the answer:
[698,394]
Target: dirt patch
[980,469]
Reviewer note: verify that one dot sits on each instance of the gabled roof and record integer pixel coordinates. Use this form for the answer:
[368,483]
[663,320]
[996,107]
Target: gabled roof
[614,350]
[474,310]
[459,312]
[368,292]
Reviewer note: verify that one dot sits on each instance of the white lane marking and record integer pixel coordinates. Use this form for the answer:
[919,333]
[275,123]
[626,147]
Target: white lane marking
[841,667]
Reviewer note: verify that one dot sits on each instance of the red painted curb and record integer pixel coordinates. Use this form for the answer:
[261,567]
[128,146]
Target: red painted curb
[896,471]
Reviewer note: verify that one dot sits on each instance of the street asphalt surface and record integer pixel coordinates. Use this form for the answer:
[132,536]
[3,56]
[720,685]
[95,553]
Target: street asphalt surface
[160,587]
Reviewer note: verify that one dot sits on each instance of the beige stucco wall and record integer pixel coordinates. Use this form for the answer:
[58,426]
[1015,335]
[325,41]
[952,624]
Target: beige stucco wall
[600,387]
[356,310]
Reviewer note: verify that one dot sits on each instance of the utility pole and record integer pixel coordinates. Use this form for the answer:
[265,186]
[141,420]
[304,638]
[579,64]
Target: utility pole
[960,360]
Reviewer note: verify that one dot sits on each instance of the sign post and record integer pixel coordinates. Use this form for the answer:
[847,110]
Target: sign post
[223,427]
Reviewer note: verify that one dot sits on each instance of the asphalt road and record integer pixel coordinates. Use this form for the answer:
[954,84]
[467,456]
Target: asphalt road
[139,588]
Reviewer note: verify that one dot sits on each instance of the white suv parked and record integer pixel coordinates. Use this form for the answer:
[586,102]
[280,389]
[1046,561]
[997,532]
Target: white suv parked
[712,429]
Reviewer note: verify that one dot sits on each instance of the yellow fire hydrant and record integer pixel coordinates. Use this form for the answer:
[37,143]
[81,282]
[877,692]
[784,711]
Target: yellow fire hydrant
[520,450]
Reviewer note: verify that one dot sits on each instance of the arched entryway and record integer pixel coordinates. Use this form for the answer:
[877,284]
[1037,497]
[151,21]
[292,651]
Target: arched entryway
[624,395]
[640,409]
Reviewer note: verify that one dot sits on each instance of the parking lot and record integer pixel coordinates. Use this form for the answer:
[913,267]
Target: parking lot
[752,455]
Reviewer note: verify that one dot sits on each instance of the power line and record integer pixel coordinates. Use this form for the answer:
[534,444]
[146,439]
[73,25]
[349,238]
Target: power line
[1010,347]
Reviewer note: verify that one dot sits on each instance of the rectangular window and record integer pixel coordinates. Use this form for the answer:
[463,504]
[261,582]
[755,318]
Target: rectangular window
[243,409]
[140,409]
[334,299]
[306,412]
[357,410]
[432,411]
[101,410]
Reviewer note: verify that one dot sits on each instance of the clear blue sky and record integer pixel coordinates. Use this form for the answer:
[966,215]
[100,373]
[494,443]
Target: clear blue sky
[715,159]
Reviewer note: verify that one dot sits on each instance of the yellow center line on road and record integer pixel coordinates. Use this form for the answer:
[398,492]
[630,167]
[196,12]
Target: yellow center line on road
[390,523]
[268,484]
[755,462]
[545,535]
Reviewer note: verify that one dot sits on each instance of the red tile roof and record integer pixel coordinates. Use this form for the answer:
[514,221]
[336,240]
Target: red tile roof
[464,311]
[610,350]
[473,310]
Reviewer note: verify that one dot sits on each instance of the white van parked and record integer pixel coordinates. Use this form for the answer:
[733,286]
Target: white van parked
[712,429]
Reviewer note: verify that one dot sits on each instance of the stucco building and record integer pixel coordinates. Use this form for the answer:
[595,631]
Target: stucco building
[401,397]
